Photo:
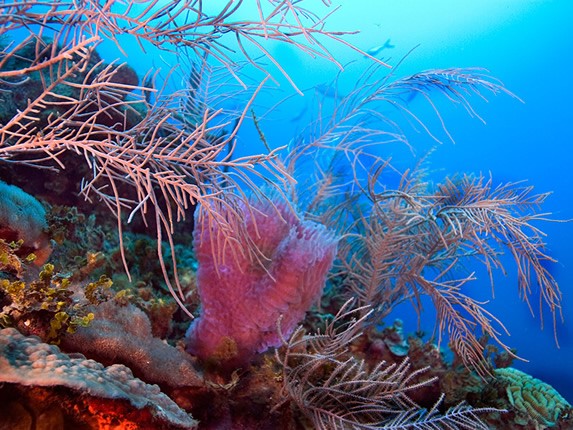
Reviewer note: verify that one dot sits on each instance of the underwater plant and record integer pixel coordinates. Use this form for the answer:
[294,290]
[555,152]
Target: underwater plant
[47,307]
[269,225]
[402,241]
[337,390]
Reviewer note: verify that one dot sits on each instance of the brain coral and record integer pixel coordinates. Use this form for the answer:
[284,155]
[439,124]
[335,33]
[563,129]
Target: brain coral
[27,361]
[532,397]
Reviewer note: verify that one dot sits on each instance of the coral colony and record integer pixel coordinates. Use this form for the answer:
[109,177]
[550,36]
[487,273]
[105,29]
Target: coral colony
[157,271]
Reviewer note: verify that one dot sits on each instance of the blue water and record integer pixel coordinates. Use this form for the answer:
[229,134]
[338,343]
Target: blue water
[526,44]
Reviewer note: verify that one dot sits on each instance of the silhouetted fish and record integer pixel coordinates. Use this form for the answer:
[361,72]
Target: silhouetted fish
[377,49]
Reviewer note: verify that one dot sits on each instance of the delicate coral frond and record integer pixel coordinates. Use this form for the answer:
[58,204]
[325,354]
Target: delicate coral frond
[412,244]
[336,390]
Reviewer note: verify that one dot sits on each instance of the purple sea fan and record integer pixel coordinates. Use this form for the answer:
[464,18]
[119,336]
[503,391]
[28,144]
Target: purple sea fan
[243,297]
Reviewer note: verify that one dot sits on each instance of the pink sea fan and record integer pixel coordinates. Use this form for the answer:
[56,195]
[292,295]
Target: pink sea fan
[243,298]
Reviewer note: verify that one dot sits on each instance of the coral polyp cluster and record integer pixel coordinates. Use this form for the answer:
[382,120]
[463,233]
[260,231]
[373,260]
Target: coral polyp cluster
[533,399]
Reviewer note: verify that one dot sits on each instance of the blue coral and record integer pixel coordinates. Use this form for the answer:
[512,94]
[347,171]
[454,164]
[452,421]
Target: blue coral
[22,217]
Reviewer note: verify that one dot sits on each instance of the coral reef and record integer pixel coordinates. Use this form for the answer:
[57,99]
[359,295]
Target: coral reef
[131,169]
[29,362]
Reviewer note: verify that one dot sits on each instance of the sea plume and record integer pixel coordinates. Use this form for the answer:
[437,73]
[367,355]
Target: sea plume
[405,233]
[336,390]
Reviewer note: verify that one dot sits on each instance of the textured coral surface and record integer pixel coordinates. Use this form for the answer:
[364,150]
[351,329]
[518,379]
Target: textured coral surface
[29,362]
[242,298]
[533,397]
[22,217]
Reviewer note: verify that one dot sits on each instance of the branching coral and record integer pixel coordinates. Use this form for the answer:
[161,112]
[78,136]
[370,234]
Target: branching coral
[338,391]
[404,237]
[414,239]
[166,166]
